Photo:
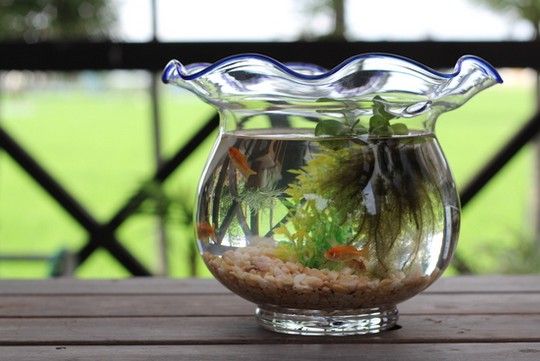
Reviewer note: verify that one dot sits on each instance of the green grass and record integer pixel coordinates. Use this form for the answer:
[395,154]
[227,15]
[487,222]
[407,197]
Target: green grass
[98,145]
[500,215]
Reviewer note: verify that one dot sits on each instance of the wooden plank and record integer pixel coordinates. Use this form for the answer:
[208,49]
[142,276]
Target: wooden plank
[244,330]
[462,284]
[480,284]
[229,304]
[137,285]
[312,352]
[124,306]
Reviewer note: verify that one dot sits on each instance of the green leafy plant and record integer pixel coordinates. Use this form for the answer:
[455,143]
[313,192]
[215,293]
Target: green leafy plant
[378,193]
[259,199]
[334,206]
[315,224]
[379,124]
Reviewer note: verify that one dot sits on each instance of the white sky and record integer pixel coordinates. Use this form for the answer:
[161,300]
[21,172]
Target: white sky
[282,20]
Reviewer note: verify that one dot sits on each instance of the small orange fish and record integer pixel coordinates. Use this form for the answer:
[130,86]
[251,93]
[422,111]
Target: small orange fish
[205,231]
[240,162]
[344,253]
[349,255]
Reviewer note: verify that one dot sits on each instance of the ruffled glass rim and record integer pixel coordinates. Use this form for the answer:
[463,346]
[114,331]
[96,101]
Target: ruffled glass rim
[175,69]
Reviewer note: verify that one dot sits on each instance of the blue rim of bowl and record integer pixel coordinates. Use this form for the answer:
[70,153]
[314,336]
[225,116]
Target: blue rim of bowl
[286,67]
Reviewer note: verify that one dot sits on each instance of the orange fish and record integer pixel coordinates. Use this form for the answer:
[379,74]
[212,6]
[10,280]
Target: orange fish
[240,162]
[344,253]
[350,255]
[205,231]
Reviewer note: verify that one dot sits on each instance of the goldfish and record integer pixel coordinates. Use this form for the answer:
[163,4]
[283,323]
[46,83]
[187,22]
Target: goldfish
[344,253]
[240,162]
[350,255]
[205,231]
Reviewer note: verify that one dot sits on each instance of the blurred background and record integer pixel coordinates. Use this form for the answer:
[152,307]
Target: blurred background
[99,164]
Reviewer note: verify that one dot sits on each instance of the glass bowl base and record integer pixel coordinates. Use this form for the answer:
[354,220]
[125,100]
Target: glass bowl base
[326,323]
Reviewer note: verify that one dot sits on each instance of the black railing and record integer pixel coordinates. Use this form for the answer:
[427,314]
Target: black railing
[73,56]
[151,56]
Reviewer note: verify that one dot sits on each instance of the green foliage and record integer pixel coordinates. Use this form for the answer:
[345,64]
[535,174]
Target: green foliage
[526,9]
[334,207]
[175,208]
[329,191]
[312,235]
[522,258]
[399,129]
[35,20]
[330,127]
[379,123]
[317,222]
[320,218]
[258,199]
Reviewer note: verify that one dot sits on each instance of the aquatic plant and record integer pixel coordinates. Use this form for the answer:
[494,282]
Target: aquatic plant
[364,188]
[368,194]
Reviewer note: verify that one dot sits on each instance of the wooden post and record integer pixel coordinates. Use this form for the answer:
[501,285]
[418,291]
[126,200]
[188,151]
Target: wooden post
[161,229]
[340,25]
[536,174]
[536,143]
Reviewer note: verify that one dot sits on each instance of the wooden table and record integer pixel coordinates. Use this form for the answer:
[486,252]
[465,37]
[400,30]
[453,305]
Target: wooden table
[465,318]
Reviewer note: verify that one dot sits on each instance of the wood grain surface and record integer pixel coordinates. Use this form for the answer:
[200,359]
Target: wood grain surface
[67,286]
[313,352]
[464,318]
[232,305]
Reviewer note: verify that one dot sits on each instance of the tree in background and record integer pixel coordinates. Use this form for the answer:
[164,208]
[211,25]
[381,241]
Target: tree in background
[36,20]
[526,9]
[334,9]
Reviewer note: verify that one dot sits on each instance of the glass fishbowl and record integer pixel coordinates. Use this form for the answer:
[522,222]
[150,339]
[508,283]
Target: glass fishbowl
[326,199]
